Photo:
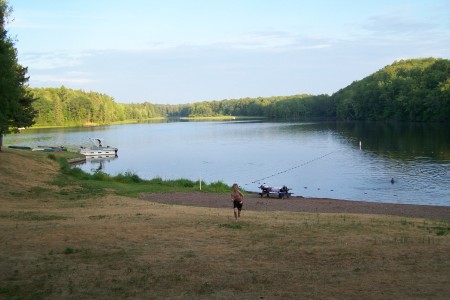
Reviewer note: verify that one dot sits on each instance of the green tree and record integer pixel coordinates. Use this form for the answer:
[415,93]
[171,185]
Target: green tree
[15,100]
[408,90]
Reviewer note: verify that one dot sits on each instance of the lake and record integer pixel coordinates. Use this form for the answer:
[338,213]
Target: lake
[353,161]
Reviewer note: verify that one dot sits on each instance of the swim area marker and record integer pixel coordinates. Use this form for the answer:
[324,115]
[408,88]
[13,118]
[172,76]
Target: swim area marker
[295,167]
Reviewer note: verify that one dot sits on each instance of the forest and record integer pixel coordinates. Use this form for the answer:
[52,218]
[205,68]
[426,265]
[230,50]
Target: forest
[414,90]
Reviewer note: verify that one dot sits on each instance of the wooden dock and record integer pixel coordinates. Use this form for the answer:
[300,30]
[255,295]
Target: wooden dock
[76,160]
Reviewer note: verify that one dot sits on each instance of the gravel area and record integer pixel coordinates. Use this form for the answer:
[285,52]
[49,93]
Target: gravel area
[300,204]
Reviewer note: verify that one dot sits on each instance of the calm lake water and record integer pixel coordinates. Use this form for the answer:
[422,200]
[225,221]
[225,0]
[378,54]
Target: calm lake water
[313,159]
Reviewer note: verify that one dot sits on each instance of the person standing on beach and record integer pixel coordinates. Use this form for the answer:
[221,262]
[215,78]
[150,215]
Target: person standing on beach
[238,200]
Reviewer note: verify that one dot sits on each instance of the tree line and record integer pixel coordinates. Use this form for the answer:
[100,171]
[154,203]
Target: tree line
[66,107]
[416,90]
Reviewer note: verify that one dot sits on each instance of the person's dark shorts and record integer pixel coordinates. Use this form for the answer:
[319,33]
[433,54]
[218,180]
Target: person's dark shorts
[237,204]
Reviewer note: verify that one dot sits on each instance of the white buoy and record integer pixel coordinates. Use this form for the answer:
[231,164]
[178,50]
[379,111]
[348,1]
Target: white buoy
[360,145]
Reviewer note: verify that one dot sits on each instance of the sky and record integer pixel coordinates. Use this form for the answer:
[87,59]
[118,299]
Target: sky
[178,52]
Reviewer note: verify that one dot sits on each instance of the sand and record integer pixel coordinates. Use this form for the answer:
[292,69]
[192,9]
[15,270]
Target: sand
[300,204]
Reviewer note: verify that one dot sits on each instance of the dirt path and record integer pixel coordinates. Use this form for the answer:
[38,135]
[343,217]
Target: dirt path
[300,204]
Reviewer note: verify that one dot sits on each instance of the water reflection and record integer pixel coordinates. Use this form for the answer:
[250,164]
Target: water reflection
[400,141]
[314,159]
[95,163]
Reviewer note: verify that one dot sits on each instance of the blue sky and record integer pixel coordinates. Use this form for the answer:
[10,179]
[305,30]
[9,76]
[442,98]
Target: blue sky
[173,51]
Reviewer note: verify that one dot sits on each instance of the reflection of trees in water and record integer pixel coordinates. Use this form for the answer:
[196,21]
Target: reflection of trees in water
[400,140]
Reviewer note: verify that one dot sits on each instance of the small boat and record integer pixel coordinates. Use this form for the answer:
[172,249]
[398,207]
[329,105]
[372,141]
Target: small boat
[108,157]
[49,148]
[20,147]
[98,149]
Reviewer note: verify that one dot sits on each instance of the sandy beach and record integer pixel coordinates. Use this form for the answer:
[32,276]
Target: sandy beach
[300,204]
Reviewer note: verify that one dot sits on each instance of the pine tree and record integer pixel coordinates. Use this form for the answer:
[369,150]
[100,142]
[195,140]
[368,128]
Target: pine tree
[15,100]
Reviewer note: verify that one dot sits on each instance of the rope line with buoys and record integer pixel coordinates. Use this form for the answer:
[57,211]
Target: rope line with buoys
[293,168]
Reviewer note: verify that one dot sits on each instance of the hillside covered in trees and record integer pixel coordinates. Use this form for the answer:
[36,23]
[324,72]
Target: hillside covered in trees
[408,90]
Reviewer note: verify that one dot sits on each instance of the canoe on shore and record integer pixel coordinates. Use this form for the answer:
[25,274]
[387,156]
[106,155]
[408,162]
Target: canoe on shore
[49,148]
[20,147]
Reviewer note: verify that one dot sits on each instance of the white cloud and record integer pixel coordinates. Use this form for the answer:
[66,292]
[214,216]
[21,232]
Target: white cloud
[53,60]
[279,41]
[396,24]
[77,78]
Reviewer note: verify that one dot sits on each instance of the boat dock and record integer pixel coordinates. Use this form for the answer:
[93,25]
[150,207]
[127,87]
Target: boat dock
[76,160]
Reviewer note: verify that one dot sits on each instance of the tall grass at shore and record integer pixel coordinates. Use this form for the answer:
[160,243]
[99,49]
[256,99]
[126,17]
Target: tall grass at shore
[130,184]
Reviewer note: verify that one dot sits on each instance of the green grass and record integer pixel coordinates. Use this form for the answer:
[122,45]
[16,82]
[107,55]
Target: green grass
[232,225]
[128,183]
[30,216]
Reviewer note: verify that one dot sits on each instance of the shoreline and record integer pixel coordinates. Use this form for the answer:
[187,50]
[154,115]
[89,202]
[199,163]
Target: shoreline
[300,204]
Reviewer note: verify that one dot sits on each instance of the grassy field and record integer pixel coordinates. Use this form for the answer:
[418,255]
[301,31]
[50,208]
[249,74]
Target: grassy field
[65,235]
